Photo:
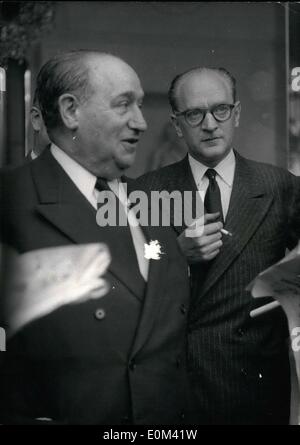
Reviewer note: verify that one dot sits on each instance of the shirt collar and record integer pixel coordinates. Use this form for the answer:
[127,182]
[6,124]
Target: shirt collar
[225,168]
[82,178]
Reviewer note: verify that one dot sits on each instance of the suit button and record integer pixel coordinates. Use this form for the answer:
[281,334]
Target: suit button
[113,287]
[183,308]
[132,365]
[244,372]
[240,332]
[100,313]
[125,419]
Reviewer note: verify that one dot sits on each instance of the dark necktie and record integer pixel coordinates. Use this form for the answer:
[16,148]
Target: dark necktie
[212,200]
[101,184]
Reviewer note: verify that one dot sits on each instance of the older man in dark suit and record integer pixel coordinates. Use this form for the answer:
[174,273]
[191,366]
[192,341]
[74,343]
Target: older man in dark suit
[239,366]
[121,359]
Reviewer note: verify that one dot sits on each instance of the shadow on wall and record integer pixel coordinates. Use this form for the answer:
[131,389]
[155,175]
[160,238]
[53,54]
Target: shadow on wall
[170,148]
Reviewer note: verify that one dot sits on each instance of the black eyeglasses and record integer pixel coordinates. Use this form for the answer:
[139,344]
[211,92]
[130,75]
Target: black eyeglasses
[195,116]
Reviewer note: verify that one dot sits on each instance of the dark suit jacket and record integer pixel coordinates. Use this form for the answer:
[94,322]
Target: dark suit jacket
[239,366]
[127,366]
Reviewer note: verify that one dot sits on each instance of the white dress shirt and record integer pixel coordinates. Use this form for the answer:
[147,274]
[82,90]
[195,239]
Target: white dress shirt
[85,182]
[225,174]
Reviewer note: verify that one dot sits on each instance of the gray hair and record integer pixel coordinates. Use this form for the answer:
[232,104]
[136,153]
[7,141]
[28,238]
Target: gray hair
[64,73]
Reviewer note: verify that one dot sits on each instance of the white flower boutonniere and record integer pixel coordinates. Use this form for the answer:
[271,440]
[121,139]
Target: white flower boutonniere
[153,250]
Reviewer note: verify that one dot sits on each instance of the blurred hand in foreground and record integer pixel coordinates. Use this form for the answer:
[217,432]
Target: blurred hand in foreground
[40,281]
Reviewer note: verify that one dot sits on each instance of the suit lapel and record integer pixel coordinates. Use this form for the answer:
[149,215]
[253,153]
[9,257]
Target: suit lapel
[183,180]
[184,177]
[249,204]
[64,206]
[155,290]
[155,286]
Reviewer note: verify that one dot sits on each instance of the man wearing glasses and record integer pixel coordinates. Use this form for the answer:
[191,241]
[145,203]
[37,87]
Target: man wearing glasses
[239,366]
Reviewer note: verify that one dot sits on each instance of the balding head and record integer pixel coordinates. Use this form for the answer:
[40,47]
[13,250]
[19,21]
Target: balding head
[69,72]
[91,104]
[107,71]
[178,82]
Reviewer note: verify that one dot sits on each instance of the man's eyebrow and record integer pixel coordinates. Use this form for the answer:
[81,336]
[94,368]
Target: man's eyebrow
[211,106]
[129,95]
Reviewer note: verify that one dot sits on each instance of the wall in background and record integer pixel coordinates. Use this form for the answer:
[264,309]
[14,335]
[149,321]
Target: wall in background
[161,39]
[294,91]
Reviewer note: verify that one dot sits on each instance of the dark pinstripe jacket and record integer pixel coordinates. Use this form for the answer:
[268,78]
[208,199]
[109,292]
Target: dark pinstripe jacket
[239,366]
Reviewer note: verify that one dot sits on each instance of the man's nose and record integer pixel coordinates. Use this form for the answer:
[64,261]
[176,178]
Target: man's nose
[209,122]
[137,121]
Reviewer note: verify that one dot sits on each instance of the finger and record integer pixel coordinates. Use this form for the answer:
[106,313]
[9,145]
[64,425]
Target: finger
[97,266]
[212,228]
[100,291]
[203,258]
[212,247]
[211,256]
[96,289]
[209,217]
[102,263]
[206,240]
[93,261]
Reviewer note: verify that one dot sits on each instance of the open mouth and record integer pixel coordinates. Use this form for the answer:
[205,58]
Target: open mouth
[211,139]
[131,140]
[130,144]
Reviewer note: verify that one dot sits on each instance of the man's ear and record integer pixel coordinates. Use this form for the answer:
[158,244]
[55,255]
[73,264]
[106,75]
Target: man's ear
[237,113]
[176,125]
[68,108]
[36,118]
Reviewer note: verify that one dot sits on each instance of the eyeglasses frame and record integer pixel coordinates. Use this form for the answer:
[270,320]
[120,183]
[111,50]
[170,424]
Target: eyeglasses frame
[205,110]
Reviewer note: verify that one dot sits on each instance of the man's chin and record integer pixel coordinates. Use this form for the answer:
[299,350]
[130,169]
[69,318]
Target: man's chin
[125,162]
[215,149]
[213,153]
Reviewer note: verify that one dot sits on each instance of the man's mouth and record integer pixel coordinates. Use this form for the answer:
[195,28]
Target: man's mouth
[211,139]
[131,140]
[130,143]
